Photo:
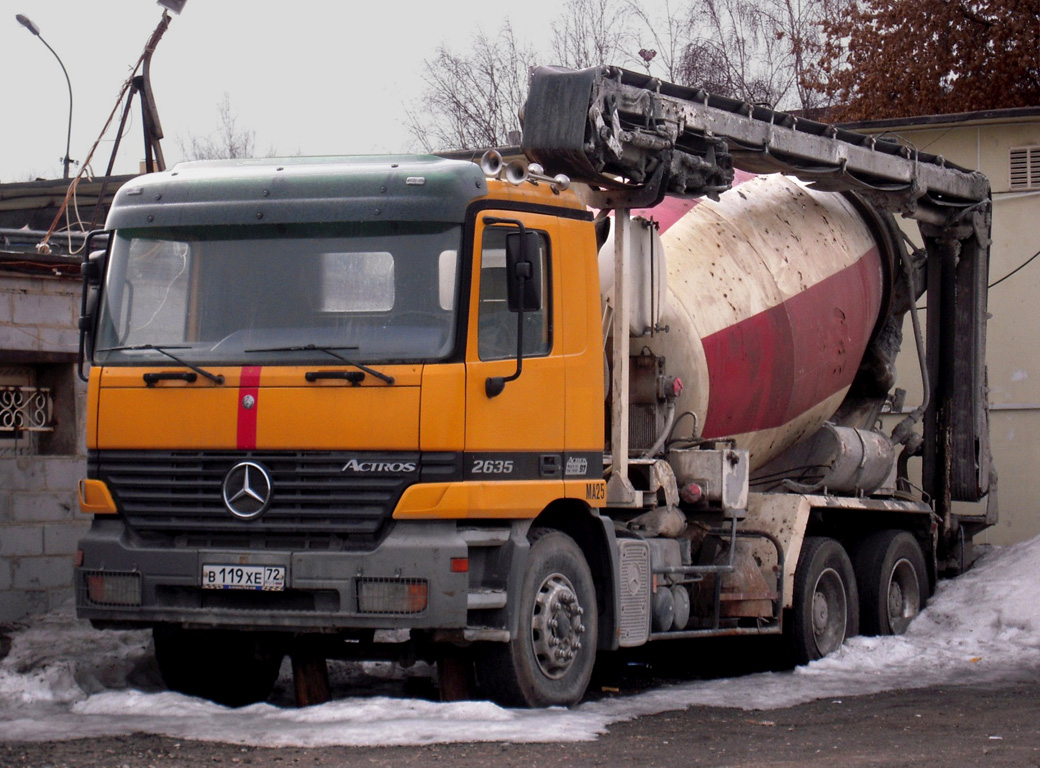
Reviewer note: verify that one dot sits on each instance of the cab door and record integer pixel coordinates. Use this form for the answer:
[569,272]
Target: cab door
[518,433]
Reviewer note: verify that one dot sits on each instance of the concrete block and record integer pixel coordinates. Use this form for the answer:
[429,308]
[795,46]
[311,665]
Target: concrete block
[14,606]
[62,538]
[41,310]
[43,507]
[14,337]
[63,473]
[21,473]
[5,574]
[6,308]
[5,506]
[56,598]
[42,573]
[63,339]
[60,288]
[21,540]
[36,601]
[25,284]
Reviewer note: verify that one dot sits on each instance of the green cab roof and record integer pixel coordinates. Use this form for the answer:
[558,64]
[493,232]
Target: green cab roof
[299,190]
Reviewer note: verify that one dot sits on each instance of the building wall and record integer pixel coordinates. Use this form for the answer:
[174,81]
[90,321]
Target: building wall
[39,518]
[1013,341]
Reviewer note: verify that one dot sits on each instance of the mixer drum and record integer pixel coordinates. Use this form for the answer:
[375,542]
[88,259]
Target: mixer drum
[773,295]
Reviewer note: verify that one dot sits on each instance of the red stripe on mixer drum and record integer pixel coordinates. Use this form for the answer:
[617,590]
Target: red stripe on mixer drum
[671,209]
[777,364]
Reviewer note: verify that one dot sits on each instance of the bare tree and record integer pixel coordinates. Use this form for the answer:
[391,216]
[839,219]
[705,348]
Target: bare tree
[735,50]
[704,65]
[763,51]
[622,32]
[227,143]
[473,101]
[660,39]
[589,33]
[800,26]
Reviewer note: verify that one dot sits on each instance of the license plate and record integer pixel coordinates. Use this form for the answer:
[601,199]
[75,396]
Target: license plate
[268,578]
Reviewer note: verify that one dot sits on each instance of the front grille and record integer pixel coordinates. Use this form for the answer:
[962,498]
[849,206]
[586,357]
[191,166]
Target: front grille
[179,493]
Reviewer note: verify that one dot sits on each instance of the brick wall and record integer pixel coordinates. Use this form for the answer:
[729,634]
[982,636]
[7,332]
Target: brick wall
[39,519]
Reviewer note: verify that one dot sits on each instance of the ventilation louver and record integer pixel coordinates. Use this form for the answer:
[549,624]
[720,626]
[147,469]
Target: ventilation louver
[1025,167]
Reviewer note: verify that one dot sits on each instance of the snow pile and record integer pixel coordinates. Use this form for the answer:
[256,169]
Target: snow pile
[65,680]
[60,660]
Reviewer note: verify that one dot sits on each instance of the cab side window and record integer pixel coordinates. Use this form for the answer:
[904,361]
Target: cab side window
[497,324]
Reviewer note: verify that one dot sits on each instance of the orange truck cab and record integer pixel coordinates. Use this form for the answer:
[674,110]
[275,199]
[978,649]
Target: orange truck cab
[329,398]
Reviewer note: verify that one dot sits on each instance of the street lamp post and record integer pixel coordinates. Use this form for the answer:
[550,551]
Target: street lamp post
[26,22]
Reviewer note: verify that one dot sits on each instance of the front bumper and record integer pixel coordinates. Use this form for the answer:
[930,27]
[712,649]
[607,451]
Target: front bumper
[324,590]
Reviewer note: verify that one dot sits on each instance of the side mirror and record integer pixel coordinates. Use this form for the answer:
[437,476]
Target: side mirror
[524,271]
[93,273]
[94,268]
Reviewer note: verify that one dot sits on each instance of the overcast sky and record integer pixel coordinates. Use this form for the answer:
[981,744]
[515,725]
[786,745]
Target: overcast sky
[308,76]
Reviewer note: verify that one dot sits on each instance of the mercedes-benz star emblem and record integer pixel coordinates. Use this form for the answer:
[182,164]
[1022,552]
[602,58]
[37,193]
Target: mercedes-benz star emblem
[247,490]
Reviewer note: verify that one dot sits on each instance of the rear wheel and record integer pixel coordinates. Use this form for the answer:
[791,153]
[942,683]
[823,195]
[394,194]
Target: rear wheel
[892,577]
[550,661]
[825,609]
[228,667]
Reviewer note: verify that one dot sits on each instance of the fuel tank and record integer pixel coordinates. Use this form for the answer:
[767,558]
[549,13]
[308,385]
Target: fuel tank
[773,294]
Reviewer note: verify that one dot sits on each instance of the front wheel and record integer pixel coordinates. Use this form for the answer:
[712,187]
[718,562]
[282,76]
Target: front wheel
[892,577]
[825,609]
[550,661]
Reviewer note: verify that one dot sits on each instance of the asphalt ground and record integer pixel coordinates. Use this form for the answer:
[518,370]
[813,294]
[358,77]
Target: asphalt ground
[947,726]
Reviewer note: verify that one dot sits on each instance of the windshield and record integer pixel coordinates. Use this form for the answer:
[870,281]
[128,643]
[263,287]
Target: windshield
[250,295]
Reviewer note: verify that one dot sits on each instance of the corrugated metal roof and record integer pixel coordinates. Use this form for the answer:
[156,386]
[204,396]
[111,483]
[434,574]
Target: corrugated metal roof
[28,209]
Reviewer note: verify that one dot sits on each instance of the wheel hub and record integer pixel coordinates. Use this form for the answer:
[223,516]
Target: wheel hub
[556,626]
[904,596]
[820,613]
[829,608]
[895,600]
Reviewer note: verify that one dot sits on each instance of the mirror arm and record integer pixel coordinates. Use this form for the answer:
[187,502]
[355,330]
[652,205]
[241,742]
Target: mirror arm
[92,274]
[494,385]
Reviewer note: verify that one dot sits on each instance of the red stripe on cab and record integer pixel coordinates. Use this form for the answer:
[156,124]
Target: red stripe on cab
[248,404]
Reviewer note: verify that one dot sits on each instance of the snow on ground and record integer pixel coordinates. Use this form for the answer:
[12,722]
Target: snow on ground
[63,680]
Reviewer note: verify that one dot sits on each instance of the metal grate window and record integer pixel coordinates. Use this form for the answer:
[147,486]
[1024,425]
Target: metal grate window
[1024,167]
[25,409]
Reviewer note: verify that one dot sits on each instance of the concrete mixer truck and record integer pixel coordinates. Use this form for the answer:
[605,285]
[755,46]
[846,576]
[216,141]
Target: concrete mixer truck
[636,387]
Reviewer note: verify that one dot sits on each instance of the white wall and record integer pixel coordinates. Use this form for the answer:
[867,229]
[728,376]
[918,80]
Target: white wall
[1013,342]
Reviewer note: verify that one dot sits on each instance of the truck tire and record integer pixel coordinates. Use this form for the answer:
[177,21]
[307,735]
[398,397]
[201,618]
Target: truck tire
[825,610]
[892,577]
[231,668]
[549,662]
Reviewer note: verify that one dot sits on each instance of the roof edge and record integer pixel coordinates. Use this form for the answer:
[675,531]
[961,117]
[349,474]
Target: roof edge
[955,118]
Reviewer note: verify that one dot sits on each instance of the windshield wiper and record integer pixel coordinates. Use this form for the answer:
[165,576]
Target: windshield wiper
[216,378]
[330,351]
